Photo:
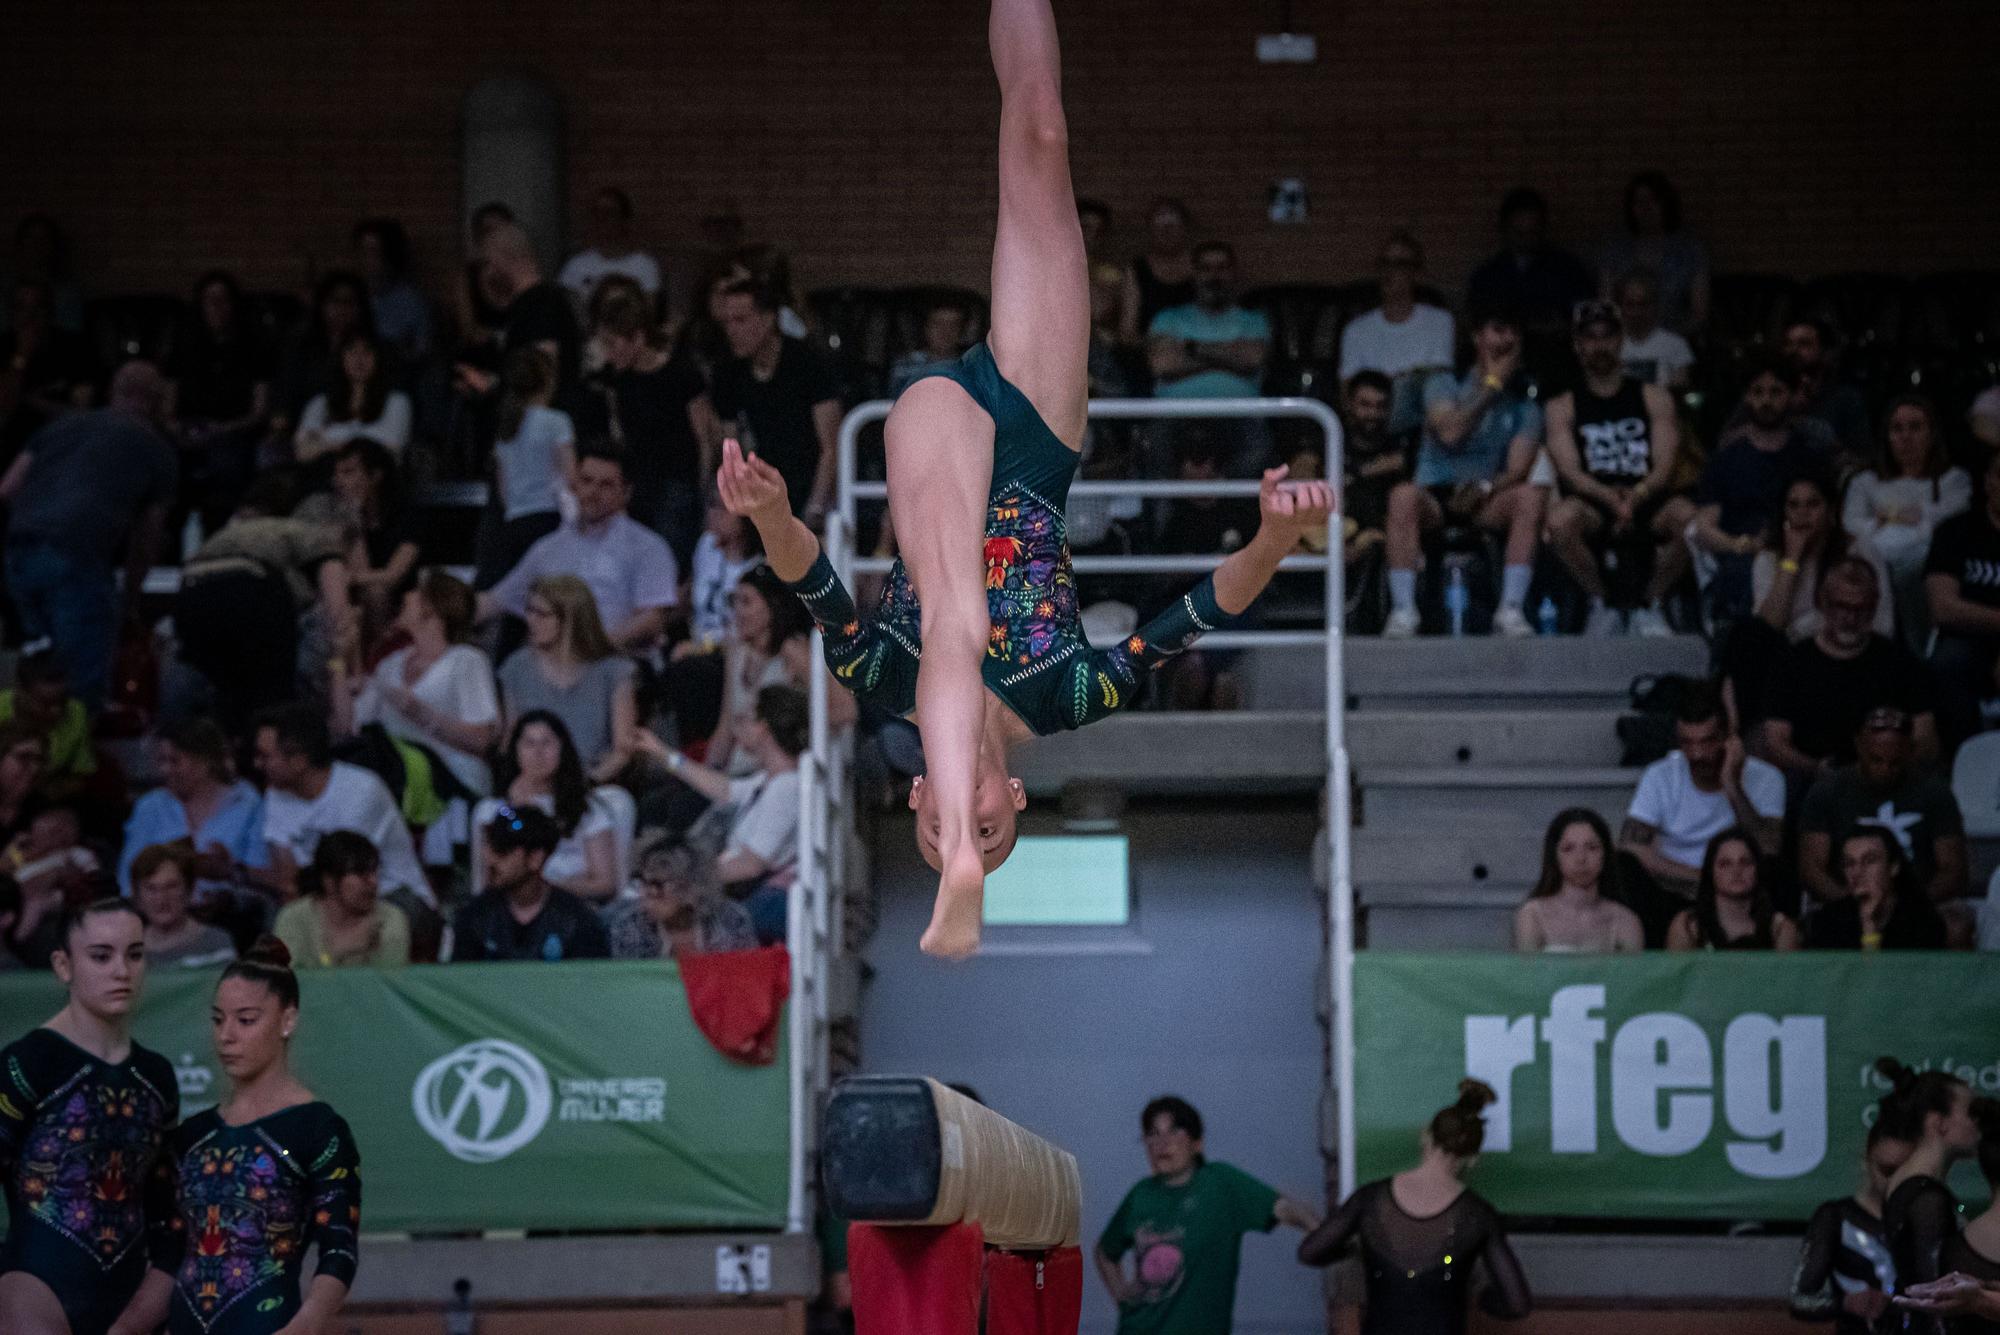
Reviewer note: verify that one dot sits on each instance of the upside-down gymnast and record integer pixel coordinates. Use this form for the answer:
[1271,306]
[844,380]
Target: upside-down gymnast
[981,456]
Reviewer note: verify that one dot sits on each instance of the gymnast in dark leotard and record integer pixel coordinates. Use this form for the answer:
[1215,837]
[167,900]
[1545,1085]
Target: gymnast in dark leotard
[1422,1232]
[1845,1273]
[1933,1110]
[85,1114]
[978,638]
[1975,1249]
[265,1176]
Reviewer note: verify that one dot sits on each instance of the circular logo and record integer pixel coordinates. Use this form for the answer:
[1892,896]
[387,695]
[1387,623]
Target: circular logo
[484,1101]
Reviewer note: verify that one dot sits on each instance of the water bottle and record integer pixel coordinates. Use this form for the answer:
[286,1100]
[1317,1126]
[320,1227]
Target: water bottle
[1456,596]
[459,1318]
[1547,615]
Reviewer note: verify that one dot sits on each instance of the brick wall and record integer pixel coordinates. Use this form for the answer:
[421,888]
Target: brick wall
[1806,135]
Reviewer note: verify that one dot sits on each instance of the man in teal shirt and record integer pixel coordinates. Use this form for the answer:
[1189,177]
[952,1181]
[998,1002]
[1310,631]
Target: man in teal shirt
[1211,348]
[1184,1226]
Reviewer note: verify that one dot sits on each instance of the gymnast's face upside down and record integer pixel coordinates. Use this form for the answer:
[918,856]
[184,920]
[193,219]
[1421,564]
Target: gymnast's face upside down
[996,801]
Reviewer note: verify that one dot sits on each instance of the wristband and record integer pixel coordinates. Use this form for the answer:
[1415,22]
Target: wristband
[1492,382]
[1789,566]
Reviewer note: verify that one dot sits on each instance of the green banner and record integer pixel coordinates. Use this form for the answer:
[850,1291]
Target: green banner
[505,1096]
[1663,1086]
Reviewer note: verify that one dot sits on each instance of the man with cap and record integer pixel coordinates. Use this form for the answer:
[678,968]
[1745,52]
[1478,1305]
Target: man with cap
[1482,433]
[1884,787]
[520,916]
[1614,440]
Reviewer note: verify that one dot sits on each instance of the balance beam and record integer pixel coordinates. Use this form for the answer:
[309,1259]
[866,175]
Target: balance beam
[948,1201]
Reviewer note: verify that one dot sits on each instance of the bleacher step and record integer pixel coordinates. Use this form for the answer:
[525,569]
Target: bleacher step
[1504,738]
[1565,669]
[1180,753]
[1424,800]
[1446,857]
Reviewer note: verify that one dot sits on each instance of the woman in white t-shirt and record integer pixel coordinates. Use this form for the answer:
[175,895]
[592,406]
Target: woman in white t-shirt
[438,691]
[533,453]
[362,404]
[1897,505]
[541,768]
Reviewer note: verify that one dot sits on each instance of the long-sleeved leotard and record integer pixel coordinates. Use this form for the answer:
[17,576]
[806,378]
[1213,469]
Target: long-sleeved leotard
[1962,1256]
[89,1178]
[253,1199]
[1844,1252]
[1419,1271]
[1037,659]
[1919,1217]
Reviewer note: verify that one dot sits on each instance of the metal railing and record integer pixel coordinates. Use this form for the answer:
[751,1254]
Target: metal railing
[826,816]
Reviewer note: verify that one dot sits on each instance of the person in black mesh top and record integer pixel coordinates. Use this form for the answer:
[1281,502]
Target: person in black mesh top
[1422,1231]
[1845,1272]
[1975,1250]
[1920,1215]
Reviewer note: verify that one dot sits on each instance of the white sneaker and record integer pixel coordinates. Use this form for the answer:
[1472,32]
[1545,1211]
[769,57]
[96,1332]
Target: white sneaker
[1401,625]
[1509,621]
[1648,622]
[1603,622]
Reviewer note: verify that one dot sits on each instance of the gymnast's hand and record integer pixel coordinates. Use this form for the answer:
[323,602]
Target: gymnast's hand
[751,488]
[1293,509]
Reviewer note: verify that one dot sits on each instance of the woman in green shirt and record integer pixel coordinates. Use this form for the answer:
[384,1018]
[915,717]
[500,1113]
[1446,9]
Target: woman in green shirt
[340,919]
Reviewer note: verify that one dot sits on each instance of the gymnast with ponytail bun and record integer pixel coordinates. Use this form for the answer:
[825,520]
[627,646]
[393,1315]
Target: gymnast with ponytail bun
[1974,1252]
[265,1176]
[1421,1232]
[1933,1111]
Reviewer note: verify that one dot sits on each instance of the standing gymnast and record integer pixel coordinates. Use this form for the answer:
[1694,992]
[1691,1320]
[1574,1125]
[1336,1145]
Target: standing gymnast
[981,456]
[1422,1231]
[1932,1110]
[85,1116]
[267,1174]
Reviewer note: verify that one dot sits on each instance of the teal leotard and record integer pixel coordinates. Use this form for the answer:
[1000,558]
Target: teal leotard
[1037,659]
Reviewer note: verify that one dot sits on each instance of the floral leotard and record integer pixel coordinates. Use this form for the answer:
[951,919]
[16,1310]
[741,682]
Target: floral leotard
[1037,659]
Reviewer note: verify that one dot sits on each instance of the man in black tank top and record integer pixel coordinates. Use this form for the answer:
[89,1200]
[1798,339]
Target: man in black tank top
[1613,440]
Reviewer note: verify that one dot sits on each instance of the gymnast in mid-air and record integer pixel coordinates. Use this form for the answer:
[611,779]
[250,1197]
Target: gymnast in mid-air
[978,638]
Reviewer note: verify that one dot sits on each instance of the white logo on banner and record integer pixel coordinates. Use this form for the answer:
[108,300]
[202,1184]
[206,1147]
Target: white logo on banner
[484,1101]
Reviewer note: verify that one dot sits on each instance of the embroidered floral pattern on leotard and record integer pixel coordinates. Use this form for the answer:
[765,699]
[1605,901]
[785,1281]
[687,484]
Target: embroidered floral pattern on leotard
[84,1167]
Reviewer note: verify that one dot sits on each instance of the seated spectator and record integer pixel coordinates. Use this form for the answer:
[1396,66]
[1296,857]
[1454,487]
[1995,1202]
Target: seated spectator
[1831,409]
[163,879]
[263,607]
[1885,788]
[1162,276]
[1568,910]
[1403,334]
[519,915]
[312,362]
[221,373]
[85,488]
[45,370]
[540,768]
[1881,909]
[1535,278]
[1824,688]
[1614,441]
[1375,461]
[41,699]
[728,550]
[1652,352]
[658,408]
[1742,494]
[630,570]
[310,794]
[200,800]
[383,548]
[1481,435]
[361,402]
[608,228]
[680,909]
[53,868]
[943,343]
[533,456]
[401,311]
[1655,239]
[1707,785]
[480,301]
[24,754]
[777,395]
[569,669]
[533,312]
[761,846]
[771,646]
[1896,506]
[10,913]
[436,692]
[1212,347]
[1984,417]
[1732,906]
[1962,578]
[339,919]
[1784,578]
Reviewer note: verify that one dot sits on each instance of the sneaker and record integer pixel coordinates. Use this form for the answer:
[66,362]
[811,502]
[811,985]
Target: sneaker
[1648,622]
[1603,623]
[1509,621]
[1401,625]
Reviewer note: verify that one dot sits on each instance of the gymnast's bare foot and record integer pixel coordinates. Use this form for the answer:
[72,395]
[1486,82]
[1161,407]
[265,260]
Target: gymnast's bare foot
[961,898]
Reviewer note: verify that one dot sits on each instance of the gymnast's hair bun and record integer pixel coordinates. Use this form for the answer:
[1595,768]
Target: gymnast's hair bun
[1475,1095]
[270,952]
[1897,1074]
